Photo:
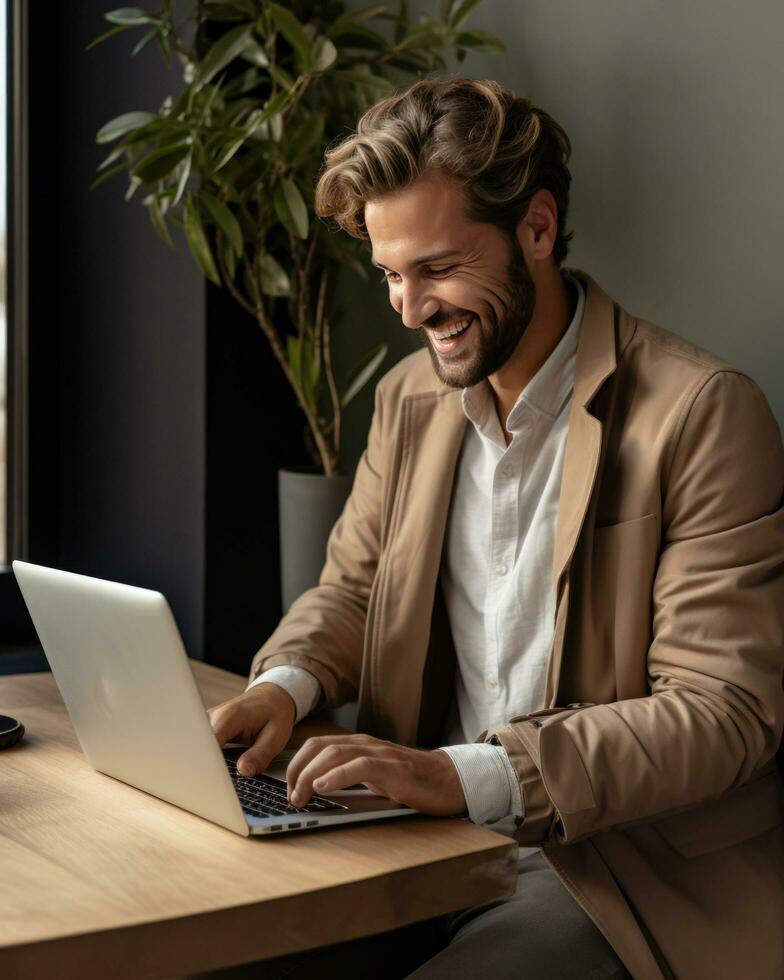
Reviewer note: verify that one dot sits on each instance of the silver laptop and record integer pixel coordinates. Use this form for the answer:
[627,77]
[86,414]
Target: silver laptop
[121,667]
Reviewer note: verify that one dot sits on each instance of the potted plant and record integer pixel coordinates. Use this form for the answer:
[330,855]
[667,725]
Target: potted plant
[233,160]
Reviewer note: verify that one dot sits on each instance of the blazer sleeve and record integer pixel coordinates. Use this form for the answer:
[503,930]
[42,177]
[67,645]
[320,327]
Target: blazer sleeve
[715,663]
[324,629]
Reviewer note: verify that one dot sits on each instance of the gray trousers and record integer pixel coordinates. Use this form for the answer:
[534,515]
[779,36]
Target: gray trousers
[540,933]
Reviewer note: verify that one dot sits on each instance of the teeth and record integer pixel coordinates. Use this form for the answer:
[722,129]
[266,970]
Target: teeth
[454,329]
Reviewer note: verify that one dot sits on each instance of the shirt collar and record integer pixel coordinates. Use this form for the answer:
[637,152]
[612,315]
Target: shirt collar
[546,392]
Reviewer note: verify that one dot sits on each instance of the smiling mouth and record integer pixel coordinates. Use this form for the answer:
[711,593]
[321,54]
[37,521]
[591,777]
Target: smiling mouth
[447,339]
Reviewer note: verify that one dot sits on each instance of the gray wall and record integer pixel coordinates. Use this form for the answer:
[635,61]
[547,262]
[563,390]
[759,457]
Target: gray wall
[674,111]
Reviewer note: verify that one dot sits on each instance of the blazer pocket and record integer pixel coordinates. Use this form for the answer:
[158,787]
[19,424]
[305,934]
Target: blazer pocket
[624,565]
[739,815]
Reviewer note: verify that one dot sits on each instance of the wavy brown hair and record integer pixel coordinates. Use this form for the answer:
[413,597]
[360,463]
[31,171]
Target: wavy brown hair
[500,148]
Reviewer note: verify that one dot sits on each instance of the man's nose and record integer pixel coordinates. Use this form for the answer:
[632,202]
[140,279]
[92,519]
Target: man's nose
[416,308]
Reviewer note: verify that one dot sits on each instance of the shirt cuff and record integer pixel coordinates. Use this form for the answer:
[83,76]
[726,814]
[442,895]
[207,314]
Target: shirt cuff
[488,780]
[303,687]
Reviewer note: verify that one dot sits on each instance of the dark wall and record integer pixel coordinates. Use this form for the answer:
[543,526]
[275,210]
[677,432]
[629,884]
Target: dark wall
[159,415]
[253,429]
[130,320]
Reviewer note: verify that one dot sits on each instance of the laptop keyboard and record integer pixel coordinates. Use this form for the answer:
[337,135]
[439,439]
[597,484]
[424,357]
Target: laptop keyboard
[265,796]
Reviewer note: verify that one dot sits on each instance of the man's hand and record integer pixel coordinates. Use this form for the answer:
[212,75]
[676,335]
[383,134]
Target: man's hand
[423,779]
[262,718]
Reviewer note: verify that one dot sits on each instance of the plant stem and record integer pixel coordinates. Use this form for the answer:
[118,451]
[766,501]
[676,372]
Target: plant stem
[328,456]
[318,323]
[230,285]
[333,391]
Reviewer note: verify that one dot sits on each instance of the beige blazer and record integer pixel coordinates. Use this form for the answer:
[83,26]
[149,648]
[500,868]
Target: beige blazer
[649,780]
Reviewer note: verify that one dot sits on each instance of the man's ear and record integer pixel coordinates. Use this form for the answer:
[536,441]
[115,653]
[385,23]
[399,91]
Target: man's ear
[538,228]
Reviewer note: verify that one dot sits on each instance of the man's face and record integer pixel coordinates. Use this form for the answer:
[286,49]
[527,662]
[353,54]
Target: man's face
[463,285]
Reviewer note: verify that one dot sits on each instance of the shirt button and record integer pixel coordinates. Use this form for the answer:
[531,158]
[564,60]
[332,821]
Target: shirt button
[501,569]
[492,681]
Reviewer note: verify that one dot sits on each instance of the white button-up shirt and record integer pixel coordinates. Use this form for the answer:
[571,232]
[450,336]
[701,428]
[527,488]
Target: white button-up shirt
[496,572]
[496,575]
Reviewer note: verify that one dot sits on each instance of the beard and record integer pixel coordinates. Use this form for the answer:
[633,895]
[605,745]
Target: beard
[497,335]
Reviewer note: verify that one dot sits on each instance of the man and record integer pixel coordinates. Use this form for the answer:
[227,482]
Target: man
[562,560]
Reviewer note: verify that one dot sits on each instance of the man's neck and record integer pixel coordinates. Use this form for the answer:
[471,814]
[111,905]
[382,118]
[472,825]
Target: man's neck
[555,306]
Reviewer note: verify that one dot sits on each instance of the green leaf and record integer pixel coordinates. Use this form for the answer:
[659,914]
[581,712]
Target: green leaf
[293,356]
[230,263]
[132,187]
[324,54]
[157,219]
[460,12]
[290,27]
[359,36]
[221,53]
[272,108]
[281,77]
[224,219]
[247,167]
[365,78]
[255,54]
[311,371]
[107,175]
[116,153]
[290,207]
[428,37]
[411,62]
[185,172]
[106,35]
[304,366]
[121,125]
[130,17]
[228,152]
[313,368]
[160,163]
[241,84]
[158,128]
[166,46]
[479,41]
[197,240]
[308,132]
[348,20]
[363,372]
[144,41]
[272,278]
[402,22]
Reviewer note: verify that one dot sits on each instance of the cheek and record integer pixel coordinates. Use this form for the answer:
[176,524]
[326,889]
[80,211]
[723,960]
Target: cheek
[477,296]
[495,295]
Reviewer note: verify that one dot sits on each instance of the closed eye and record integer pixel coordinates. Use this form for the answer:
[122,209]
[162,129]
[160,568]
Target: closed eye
[394,277]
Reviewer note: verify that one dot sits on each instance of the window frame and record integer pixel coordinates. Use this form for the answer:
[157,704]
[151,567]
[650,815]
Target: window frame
[17,288]
[32,389]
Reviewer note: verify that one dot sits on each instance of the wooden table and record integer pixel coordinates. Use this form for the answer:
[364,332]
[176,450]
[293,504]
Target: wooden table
[98,879]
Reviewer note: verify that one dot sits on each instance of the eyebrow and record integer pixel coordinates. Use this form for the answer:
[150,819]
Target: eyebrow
[424,260]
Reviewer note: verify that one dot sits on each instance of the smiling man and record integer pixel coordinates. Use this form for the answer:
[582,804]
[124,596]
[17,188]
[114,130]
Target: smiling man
[557,588]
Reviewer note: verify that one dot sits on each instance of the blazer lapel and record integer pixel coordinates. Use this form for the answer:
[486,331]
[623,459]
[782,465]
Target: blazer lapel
[432,429]
[595,362]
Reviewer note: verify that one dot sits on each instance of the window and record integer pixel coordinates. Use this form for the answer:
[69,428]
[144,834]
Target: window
[3,284]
